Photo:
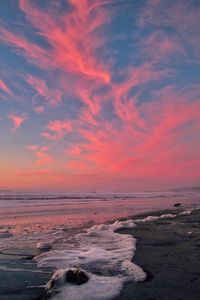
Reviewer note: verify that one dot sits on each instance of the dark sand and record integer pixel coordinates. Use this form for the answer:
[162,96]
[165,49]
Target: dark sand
[169,251]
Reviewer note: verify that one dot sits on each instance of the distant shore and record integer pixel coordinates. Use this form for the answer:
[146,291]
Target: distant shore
[169,251]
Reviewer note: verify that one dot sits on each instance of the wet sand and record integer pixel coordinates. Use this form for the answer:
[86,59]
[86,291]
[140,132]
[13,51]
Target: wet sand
[20,279]
[169,251]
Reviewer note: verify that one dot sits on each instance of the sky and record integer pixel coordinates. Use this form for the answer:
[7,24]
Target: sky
[99,94]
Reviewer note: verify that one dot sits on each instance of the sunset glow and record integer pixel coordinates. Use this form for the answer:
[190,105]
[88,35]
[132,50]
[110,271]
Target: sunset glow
[99,94]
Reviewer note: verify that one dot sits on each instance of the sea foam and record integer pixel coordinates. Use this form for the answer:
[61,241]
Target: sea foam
[154,218]
[104,254]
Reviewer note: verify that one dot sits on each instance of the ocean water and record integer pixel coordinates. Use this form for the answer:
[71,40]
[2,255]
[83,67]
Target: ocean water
[81,231]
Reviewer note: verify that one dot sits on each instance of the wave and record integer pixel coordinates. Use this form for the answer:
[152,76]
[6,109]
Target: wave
[7,195]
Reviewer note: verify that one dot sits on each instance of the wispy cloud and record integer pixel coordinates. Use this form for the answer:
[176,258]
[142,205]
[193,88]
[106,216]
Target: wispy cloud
[115,92]
[71,39]
[41,153]
[51,96]
[17,120]
[57,129]
[5,88]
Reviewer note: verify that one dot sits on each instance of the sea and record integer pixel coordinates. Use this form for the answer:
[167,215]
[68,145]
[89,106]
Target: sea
[78,231]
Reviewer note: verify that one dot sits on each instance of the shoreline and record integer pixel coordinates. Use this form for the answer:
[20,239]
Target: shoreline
[145,249]
[168,251]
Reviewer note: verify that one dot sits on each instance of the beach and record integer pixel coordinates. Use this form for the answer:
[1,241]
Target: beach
[168,251]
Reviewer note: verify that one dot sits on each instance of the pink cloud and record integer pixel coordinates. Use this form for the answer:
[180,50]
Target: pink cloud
[72,40]
[75,42]
[158,149]
[5,88]
[39,109]
[57,129]
[124,103]
[41,154]
[158,45]
[180,16]
[87,117]
[51,96]
[17,120]
[74,150]
[33,53]
[118,132]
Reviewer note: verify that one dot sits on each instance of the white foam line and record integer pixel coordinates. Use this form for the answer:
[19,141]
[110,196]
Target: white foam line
[99,249]
[154,218]
[188,211]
